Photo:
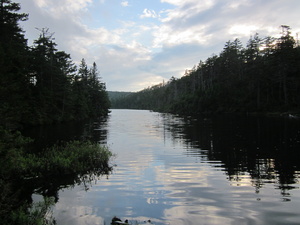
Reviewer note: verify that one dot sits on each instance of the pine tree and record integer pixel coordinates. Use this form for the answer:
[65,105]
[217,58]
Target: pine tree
[14,79]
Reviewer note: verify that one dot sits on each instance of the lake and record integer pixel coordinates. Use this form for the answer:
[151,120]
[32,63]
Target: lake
[221,169]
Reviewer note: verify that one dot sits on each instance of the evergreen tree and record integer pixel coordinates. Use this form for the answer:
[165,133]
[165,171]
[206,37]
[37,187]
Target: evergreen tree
[81,106]
[254,71]
[46,73]
[91,99]
[98,95]
[41,84]
[285,61]
[264,76]
[14,79]
[66,71]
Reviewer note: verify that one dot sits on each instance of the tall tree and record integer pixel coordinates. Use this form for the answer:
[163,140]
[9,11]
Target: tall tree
[98,95]
[253,68]
[10,31]
[44,73]
[285,55]
[53,73]
[81,106]
[14,79]
[65,71]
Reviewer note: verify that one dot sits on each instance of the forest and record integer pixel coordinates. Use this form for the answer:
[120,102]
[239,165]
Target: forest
[263,77]
[40,84]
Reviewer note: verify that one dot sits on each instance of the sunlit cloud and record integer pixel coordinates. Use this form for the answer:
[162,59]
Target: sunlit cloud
[176,2]
[149,81]
[147,13]
[165,35]
[160,38]
[243,30]
[186,9]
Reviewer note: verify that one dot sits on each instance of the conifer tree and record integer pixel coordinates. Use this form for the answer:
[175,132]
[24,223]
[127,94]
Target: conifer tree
[14,79]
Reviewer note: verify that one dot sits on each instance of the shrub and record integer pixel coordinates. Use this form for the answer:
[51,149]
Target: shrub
[82,160]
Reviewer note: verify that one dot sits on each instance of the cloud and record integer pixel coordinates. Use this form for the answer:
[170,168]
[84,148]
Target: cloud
[64,7]
[147,13]
[145,43]
[175,2]
[165,35]
[124,3]
[184,24]
[243,30]
[186,9]
[215,21]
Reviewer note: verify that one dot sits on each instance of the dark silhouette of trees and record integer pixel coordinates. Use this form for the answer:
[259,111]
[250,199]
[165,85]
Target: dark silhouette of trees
[14,85]
[90,93]
[264,76]
[40,84]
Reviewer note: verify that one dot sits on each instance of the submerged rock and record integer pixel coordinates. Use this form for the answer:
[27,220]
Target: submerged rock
[116,221]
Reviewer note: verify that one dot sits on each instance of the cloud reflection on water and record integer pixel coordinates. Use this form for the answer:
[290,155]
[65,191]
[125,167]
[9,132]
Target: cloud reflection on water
[172,171]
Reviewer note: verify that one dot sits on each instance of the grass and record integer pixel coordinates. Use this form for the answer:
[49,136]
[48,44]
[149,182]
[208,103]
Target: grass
[82,160]
[73,157]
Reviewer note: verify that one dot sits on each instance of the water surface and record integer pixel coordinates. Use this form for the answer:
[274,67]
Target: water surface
[180,171]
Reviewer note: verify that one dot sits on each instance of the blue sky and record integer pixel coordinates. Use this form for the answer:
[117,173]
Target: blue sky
[139,43]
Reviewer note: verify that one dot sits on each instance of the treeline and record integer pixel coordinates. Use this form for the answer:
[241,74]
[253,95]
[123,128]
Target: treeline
[117,95]
[264,76]
[40,84]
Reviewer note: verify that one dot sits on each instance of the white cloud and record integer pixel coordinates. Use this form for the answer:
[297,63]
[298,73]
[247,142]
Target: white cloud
[237,4]
[165,35]
[124,3]
[131,50]
[174,2]
[243,30]
[187,8]
[147,13]
[41,3]
[64,7]
[183,25]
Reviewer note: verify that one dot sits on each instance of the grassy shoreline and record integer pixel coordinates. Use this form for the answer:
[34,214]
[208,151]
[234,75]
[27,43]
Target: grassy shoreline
[75,161]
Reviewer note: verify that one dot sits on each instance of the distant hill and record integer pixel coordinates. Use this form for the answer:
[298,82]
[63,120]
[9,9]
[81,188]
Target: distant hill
[116,97]
[113,95]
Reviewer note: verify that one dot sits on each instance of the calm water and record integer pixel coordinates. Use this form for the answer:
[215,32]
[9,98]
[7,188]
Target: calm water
[180,171]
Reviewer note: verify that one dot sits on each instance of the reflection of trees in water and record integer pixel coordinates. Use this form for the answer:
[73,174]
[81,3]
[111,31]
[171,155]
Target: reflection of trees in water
[265,148]
[94,130]
[19,191]
[16,197]
[50,186]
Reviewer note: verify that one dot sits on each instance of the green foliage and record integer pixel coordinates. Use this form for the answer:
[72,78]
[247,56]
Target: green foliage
[34,214]
[61,92]
[12,149]
[18,165]
[38,85]
[90,94]
[263,77]
[74,157]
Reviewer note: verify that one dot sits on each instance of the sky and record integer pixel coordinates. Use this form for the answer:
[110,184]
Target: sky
[139,43]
